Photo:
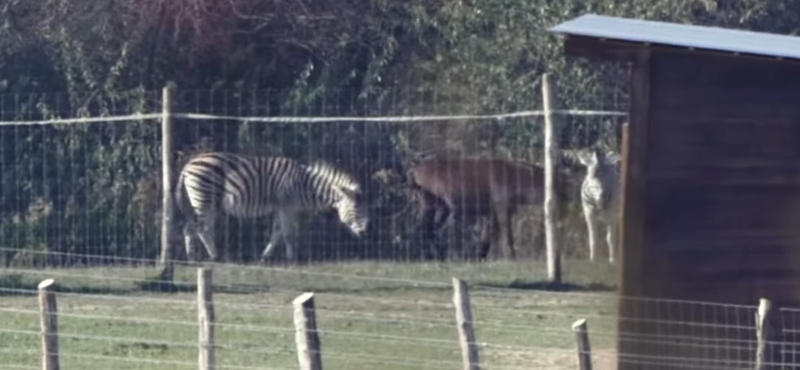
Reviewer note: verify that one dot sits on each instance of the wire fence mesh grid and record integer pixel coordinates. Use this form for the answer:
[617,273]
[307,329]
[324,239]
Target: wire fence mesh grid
[80,193]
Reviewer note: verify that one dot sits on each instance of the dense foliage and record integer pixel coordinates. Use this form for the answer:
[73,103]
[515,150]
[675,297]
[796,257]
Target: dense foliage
[94,188]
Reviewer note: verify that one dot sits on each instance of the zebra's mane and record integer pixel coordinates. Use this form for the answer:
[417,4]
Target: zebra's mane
[334,175]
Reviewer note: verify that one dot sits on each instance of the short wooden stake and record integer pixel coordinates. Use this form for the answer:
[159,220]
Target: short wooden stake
[49,320]
[309,354]
[763,333]
[584,349]
[466,332]
[205,315]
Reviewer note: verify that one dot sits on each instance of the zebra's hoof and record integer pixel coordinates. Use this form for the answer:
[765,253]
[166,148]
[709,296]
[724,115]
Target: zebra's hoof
[266,261]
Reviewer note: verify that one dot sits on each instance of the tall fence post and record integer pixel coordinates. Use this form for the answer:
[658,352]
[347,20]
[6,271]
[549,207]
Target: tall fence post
[309,354]
[167,211]
[550,175]
[763,319]
[584,349]
[205,315]
[49,320]
[466,331]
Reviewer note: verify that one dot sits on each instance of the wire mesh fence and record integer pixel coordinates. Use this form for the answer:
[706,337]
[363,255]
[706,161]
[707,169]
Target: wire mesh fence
[83,184]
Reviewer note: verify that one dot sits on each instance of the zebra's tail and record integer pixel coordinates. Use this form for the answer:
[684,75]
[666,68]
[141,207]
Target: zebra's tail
[182,206]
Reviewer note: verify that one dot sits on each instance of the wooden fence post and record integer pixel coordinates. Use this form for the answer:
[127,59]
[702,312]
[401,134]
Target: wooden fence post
[466,331]
[584,349]
[205,315]
[167,211]
[49,320]
[309,351]
[550,199]
[763,350]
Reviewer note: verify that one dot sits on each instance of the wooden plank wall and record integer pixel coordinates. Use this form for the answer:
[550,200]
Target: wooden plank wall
[722,204]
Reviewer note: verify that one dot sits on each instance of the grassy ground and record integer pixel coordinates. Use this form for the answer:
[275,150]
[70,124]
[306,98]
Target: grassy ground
[371,315]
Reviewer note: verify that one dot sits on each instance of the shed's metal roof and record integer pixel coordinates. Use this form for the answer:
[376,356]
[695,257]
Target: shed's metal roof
[682,35]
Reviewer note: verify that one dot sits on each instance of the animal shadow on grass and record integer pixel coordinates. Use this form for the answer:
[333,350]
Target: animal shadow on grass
[163,286]
[17,285]
[386,289]
[552,287]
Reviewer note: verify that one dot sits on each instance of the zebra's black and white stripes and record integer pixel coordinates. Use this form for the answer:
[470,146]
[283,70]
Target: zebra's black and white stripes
[248,186]
[600,198]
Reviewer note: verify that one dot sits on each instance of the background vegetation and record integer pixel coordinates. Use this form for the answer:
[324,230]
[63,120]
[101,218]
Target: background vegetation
[93,189]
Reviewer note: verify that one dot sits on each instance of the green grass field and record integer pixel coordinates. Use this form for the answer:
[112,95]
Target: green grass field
[370,315]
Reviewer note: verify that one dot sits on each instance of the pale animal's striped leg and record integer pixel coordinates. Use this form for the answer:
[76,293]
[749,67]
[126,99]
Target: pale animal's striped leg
[591,228]
[207,234]
[274,238]
[189,236]
[289,220]
[611,239]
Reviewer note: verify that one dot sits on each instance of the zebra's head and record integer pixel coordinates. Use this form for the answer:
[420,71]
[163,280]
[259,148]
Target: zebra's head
[349,200]
[592,161]
[352,209]
[597,161]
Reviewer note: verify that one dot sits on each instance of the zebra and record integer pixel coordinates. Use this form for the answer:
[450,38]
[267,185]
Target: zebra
[251,186]
[600,197]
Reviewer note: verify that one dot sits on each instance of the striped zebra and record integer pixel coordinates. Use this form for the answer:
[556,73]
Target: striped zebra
[247,187]
[600,197]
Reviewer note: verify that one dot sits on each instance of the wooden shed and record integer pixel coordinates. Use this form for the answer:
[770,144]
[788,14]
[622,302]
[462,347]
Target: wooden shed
[711,188]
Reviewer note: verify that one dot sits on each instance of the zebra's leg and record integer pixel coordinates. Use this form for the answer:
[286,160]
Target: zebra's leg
[289,220]
[591,228]
[611,239]
[274,238]
[189,236]
[207,234]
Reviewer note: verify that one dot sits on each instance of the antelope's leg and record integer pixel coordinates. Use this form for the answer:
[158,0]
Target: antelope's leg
[438,213]
[488,237]
[506,238]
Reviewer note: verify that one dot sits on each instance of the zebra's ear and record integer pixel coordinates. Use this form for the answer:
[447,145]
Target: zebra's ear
[612,157]
[585,157]
[589,157]
[350,193]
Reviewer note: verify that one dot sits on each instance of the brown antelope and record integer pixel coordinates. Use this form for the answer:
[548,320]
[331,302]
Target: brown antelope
[460,188]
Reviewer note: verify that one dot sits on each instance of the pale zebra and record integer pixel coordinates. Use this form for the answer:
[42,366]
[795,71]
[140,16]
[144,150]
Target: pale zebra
[248,186]
[600,198]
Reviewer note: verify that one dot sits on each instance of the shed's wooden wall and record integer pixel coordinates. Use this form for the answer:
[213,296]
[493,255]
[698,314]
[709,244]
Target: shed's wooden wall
[722,203]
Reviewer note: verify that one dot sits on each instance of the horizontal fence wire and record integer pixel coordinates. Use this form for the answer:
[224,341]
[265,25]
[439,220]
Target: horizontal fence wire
[410,118]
